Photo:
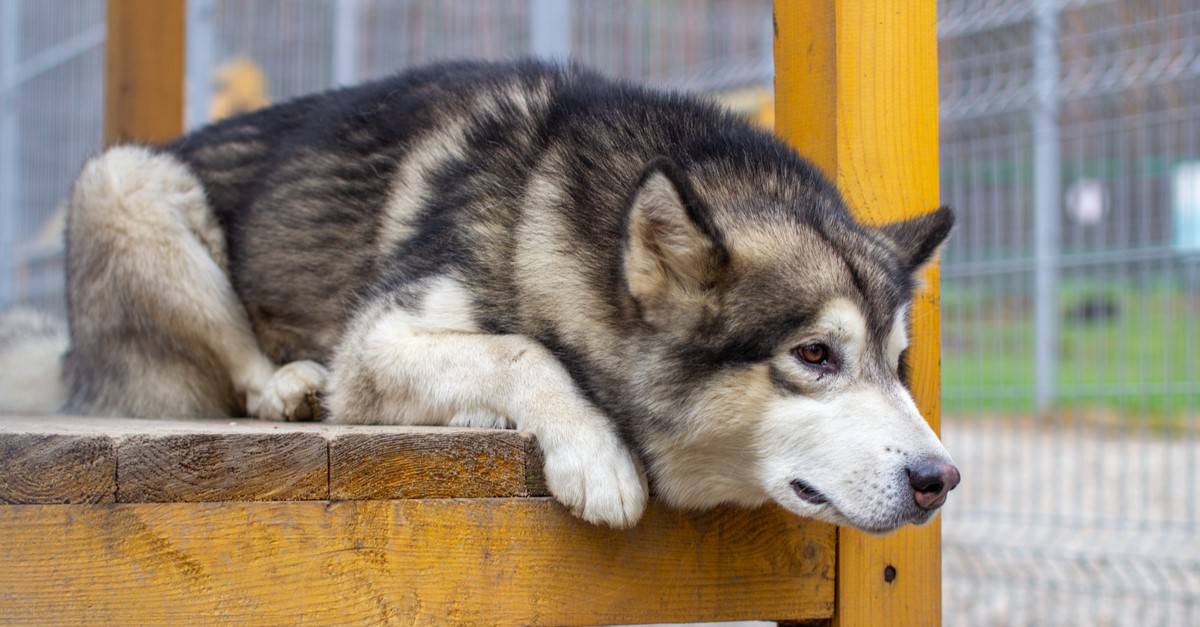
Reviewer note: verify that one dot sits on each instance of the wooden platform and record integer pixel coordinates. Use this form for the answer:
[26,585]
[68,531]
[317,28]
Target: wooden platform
[129,522]
[138,521]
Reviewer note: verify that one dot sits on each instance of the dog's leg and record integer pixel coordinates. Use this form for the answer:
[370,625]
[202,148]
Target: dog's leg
[156,327]
[396,367]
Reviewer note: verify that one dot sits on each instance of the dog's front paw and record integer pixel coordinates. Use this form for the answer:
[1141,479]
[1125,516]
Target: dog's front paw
[597,478]
[292,393]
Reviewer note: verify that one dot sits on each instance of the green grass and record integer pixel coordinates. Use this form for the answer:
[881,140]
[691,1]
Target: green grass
[1140,364]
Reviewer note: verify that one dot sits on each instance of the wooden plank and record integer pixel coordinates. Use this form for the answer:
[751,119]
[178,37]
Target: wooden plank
[250,460]
[474,561]
[144,70]
[453,464]
[56,468]
[198,467]
[856,91]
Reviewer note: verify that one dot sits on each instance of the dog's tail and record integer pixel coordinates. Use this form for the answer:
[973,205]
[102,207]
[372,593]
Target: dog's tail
[31,349]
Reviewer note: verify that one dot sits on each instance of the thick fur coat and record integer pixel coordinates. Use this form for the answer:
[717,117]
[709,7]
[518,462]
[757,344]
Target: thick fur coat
[648,283]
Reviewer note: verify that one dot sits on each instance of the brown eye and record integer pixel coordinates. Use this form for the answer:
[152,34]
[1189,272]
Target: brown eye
[815,353]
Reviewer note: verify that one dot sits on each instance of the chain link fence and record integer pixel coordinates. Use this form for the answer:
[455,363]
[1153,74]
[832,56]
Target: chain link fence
[1070,142]
[1071,290]
[51,77]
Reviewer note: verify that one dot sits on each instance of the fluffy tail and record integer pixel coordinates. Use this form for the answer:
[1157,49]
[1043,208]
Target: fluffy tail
[31,349]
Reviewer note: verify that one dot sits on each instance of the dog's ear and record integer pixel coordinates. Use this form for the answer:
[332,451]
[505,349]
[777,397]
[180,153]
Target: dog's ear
[918,239]
[673,253]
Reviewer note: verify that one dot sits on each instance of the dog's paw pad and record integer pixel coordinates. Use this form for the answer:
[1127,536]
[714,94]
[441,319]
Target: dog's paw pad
[597,479]
[292,393]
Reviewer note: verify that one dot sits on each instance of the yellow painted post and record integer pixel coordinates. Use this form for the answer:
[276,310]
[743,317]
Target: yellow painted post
[856,92]
[144,70]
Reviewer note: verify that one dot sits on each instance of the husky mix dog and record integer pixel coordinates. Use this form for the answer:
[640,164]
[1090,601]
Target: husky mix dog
[647,283]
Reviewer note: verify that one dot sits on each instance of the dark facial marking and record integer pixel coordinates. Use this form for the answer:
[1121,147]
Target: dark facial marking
[882,281]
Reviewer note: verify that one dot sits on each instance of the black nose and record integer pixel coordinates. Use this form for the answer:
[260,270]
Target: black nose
[931,481]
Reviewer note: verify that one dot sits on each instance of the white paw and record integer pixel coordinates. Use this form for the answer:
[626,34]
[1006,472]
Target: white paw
[292,393]
[595,476]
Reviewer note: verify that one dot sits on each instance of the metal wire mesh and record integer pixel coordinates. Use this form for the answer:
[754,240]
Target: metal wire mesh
[1070,147]
[51,75]
[1081,510]
[315,44]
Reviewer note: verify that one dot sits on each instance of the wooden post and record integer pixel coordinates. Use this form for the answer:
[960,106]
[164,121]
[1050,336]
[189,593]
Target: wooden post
[856,92]
[144,70]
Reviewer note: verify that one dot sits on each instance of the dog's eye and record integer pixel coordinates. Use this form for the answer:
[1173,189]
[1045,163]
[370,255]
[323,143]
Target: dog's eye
[814,353]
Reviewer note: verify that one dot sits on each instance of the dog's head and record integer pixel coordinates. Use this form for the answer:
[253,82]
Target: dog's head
[772,348]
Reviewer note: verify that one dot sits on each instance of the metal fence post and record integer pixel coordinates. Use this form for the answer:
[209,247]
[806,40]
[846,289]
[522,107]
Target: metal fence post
[1046,204]
[10,177]
[550,29]
[345,43]
[199,38]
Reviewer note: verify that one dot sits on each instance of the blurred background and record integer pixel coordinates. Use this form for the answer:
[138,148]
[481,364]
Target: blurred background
[1070,145]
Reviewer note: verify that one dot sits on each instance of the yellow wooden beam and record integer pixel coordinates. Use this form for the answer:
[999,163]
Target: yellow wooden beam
[144,70]
[856,92]
[428,562]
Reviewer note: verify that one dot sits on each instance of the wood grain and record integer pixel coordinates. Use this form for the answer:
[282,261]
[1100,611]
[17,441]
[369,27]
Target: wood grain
[197,467]
[453,464]
[475,561]
[160,461]
[56,468]
[144,70]
[856,91]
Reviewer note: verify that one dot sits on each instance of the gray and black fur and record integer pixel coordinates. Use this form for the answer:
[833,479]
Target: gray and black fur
[330,213]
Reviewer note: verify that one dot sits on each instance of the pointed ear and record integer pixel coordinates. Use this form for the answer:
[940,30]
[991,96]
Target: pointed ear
[919,238]
[673,252]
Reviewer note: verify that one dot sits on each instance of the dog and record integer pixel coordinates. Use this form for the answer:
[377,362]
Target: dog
[646,282]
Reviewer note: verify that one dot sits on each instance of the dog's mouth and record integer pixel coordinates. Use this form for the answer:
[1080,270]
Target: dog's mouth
[807,493]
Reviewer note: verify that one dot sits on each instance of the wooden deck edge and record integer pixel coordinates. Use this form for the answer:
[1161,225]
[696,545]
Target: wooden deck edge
[59,459]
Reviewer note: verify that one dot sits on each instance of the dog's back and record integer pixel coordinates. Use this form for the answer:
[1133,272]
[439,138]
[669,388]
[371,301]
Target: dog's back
[315,195]
[325,199]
